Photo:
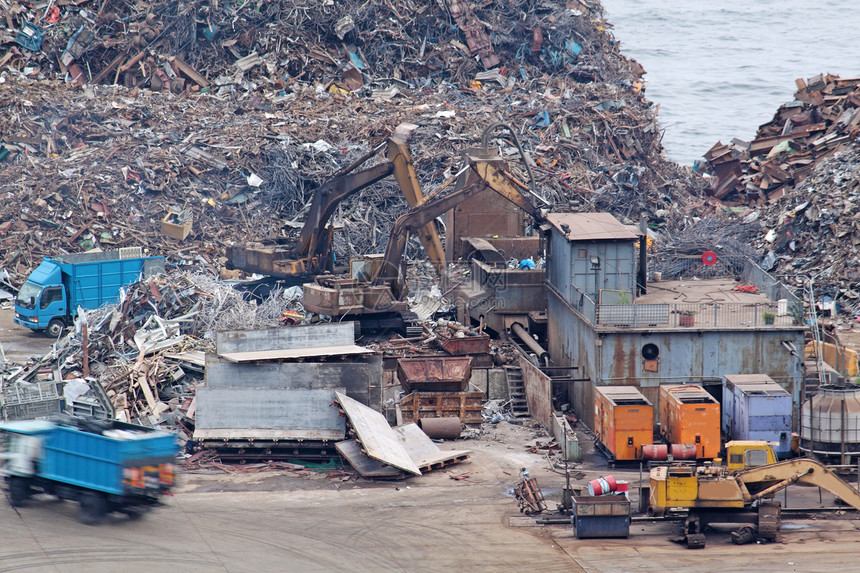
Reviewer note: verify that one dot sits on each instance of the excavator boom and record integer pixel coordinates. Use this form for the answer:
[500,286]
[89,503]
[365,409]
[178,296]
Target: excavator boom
[309,255]
[491,176]
[763,481]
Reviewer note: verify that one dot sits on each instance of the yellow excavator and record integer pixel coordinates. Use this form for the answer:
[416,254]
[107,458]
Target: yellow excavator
[311,253]
[741,492]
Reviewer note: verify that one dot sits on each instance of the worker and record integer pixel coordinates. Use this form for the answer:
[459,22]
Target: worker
[527,263]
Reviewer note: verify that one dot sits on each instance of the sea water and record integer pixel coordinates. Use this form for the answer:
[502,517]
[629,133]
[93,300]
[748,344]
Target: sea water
[718,70]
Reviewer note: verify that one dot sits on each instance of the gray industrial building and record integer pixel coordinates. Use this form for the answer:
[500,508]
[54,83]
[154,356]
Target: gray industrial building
[603,319]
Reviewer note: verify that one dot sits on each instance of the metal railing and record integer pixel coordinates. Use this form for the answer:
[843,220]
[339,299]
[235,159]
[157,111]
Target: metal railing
[784,308]
[583,304]
[773,288]
[699,315]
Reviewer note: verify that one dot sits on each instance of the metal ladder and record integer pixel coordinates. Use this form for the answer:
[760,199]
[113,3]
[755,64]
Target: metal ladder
[517,391]
[809,295]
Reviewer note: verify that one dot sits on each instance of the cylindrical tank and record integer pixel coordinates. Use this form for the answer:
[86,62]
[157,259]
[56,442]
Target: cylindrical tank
[655,452]
[683,451]
[830,420]
[602,485]
[441,428]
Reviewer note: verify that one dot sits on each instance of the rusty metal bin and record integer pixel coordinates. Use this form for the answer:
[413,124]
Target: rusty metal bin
[434,373]
[464,405]
[479,344]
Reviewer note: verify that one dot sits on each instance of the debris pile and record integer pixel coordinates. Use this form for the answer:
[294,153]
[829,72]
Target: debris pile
[118,118]
[813,231]
[148,351]
[791,193]
[823,118]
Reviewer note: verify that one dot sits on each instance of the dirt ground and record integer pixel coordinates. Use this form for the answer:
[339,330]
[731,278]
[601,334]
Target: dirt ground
[251,520]
[19,343]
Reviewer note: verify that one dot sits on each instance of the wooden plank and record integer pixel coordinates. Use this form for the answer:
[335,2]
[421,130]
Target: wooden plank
[423,451]
[196,357]
[379,440]
[181,66]
[143,382]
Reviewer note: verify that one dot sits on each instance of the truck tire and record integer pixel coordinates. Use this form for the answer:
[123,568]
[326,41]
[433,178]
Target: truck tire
[93,508]
[55,328]
[19,490]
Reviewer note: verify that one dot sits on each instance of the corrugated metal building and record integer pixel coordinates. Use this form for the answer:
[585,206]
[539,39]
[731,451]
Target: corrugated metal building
[680,332]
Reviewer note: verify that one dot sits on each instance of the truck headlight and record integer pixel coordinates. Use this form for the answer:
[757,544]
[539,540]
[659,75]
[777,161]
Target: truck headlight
[34,319]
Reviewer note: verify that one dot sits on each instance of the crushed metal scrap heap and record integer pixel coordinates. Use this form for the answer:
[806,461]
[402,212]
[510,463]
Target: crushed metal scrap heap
[798,176]
[233,114]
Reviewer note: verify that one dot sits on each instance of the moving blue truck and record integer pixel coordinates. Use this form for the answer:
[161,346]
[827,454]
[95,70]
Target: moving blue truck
[49,299]
[105,465]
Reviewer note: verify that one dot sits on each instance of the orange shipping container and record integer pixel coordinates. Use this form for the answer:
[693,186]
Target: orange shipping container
[623,421]
[689,415]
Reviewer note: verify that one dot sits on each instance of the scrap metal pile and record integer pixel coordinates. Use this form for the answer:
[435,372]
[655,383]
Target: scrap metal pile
[147,352]
[823,118]
[813,231]
[799,179]
[235,113]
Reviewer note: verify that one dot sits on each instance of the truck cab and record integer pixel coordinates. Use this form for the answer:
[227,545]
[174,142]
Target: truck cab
[747,454]
[51,296]
[41,299]
[21,446]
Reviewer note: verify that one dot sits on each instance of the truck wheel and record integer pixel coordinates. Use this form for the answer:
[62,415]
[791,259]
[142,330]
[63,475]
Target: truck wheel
[19,490]
[55,328]
[134,514]
[93,508]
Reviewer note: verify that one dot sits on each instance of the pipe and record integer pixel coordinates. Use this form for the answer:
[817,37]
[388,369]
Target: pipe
[441,428]
[521,333]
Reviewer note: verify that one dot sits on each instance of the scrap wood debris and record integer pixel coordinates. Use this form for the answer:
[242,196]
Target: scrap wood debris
[119,113]
[823,118]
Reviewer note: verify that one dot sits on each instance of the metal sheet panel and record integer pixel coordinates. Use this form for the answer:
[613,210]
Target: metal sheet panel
[379,440]
[590,226]
[294,353]
[286,338]
[365,466]
[361,376]
[286,412]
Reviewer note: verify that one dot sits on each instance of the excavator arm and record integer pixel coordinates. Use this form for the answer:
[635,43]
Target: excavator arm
[490,176]
[308,255]
[326,200]
[761,482]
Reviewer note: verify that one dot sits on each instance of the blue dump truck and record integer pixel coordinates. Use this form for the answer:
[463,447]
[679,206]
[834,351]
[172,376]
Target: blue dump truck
[105,465]
[49,300]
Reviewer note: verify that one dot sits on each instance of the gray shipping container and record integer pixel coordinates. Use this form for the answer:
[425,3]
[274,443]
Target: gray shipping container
[757,408]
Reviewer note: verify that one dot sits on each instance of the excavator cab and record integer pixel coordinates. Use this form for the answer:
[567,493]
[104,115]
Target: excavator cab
[747,454]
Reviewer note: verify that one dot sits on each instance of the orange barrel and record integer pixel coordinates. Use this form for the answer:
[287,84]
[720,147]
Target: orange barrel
[602,485]
[684,451]
[622,487]
[655,452]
